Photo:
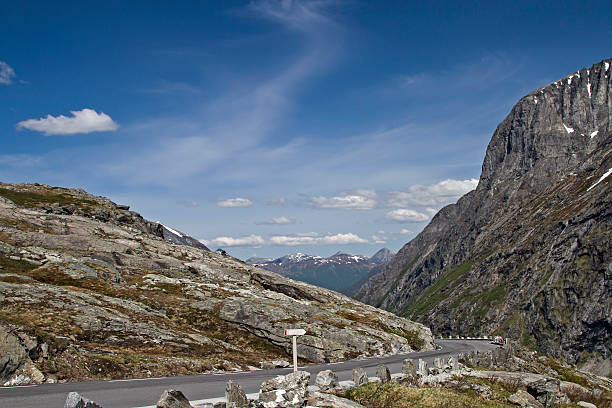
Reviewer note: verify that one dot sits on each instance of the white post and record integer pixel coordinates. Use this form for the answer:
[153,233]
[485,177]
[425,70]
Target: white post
[295,354]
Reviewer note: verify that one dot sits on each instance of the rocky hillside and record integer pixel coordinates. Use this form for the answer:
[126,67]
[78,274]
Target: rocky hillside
[527,254]
[89,289]
[342,272]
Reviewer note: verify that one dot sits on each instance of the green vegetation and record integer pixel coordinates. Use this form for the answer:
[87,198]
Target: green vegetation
[14,265]
[437,292]
[395,282]
[414,340]
[393,395]
[34,199]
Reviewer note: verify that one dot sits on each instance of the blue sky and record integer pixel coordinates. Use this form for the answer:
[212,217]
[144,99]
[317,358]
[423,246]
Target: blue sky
[271,127]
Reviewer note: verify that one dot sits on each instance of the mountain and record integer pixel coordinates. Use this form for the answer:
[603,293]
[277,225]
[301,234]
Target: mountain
[342,272]
[527,254]
[176,237]
[91,290]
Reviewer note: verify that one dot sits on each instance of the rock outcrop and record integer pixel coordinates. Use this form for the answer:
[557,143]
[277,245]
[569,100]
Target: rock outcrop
[528,254]
[89,289]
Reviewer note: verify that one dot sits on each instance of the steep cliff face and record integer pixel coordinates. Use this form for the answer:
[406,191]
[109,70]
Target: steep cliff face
[528,253]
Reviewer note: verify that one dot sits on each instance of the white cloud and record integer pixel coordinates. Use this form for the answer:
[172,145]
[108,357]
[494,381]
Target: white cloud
[404,231]
[444,192]
[83,121]
[277,221]
[379,240]
[406,215]
[309,239]
[248,241]
[347,200]
[235,202]
[6,73]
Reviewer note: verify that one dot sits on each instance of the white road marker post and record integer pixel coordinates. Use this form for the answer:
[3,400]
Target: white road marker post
[294,333]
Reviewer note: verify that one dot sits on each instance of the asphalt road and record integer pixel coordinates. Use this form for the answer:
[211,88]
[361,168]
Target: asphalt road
[146,392]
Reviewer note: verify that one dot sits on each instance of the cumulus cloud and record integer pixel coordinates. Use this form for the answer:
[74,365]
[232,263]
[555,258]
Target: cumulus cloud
[276,221]
[408,215]
[347,200]
[83,121]
[308,238]
[235,202]
[6,73]
[329,239]
[246,241]
[444,192]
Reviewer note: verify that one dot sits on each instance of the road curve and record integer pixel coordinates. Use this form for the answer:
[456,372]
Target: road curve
[146,392]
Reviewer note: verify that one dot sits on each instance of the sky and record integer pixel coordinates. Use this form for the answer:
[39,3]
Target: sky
[273,127]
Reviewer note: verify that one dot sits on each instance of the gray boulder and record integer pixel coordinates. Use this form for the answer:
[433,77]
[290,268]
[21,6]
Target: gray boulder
[75,400]
[326,380]
[423,370]
[359,376]
[408,368]
[524,399]
[548,392]
[284,391]
[235,397]
[173,399]
[319,399]
[382,372]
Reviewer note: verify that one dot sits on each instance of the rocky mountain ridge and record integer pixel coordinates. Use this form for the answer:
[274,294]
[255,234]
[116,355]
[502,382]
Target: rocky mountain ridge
[96,291]
[342,271]
[527,254]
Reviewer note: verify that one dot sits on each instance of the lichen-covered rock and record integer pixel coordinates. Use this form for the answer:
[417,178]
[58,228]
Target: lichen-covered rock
[326,380]
[409,368]
[360,376]
[284,391]
[235,396]
[319,399]
[526,254]
[173,399]
[548,392]
[75,400]
[524,399]
[383,373]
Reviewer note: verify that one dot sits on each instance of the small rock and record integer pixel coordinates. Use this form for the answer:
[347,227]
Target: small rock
[235,397]
[439,363]
[173,399]
[408,368]
[326,380]
[286,391]
[359,376]
[423,371]
[319,399]
[586,404]
[524,399]
[75,400]
[382,372]
[548,392]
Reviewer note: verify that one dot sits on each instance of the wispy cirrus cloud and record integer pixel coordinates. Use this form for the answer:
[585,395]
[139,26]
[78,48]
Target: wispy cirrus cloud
[189,204]
[235,202]
[83,121]
[6,73]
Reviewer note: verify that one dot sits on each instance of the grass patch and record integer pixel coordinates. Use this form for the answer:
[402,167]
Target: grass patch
[33,199]
[393,395]
[395,282]
[414,340]
[437,292]
[15,265]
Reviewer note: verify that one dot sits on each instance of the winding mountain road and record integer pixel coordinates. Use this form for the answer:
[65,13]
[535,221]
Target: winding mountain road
[146,392]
